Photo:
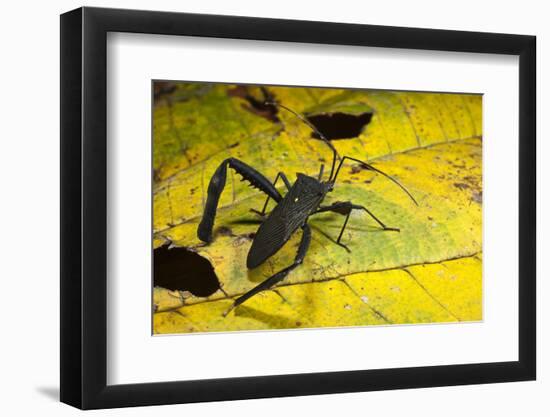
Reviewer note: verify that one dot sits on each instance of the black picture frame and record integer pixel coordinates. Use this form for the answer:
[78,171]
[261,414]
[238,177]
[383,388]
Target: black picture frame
[84,207]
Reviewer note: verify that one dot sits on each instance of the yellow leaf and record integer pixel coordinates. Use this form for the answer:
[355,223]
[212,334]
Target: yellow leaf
[430,271]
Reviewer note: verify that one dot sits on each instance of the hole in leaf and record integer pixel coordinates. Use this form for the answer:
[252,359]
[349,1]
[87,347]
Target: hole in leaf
[184,270]
[339,125]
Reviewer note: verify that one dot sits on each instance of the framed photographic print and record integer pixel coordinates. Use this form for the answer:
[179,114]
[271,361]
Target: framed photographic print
[257,208]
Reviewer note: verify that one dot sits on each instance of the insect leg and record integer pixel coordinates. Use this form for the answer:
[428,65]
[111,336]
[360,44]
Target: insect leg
[216,186]
[345,208]
[287,184]
[279,276]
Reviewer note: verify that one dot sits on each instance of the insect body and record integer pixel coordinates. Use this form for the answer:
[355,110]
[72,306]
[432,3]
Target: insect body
[303,199]
[291,213]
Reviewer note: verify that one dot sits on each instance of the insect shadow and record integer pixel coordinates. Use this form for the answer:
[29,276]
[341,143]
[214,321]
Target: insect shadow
[273,321]
[303,199]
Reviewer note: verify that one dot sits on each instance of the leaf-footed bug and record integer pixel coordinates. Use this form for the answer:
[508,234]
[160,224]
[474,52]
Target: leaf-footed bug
[292,211]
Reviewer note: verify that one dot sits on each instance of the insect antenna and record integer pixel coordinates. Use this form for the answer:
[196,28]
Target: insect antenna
[371,168]
[312,127]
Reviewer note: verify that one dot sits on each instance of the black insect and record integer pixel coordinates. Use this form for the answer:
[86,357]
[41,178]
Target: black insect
[292,211]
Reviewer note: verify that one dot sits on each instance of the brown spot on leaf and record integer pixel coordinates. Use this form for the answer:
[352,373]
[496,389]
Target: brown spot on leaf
[461,185]
[477,197]
[245,237]
[256,103]
[162,89]
[355,169]
[225,231]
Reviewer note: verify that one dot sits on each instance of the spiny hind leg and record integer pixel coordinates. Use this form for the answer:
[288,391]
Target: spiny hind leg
[345,208]
[216,186]
[279,276]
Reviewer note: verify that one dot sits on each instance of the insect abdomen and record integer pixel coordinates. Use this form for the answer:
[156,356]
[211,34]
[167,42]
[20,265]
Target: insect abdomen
[290,214]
